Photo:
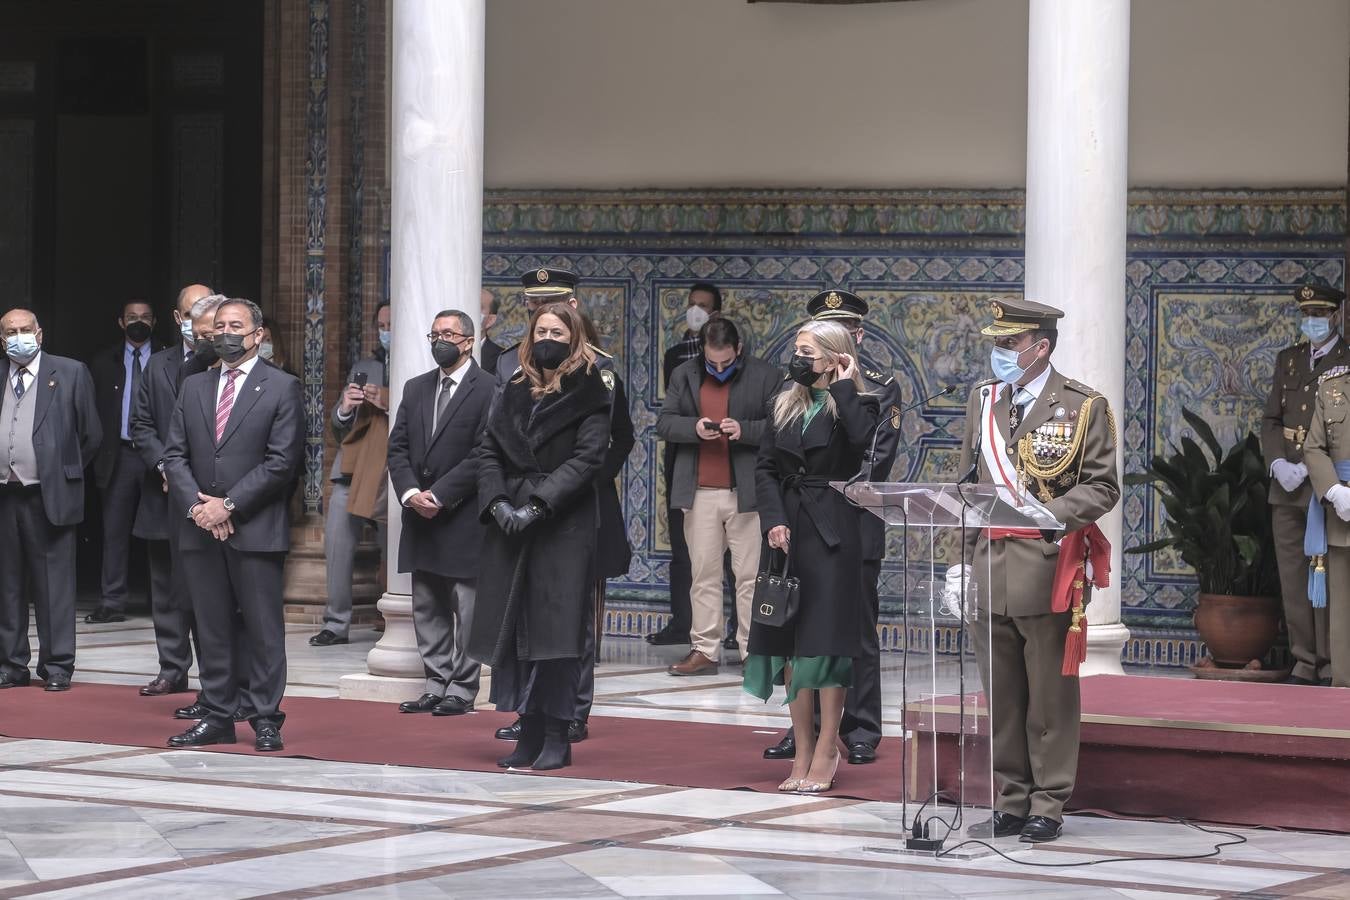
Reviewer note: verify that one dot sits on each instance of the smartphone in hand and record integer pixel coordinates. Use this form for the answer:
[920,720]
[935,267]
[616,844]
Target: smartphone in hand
[360,378]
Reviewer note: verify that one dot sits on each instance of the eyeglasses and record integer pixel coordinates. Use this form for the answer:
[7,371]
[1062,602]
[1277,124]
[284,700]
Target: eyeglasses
[446,335]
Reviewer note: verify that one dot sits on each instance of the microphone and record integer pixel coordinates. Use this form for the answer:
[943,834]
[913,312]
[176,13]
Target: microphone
[870,460]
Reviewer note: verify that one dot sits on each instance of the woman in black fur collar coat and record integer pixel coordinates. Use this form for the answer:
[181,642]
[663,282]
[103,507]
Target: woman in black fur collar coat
[538,463]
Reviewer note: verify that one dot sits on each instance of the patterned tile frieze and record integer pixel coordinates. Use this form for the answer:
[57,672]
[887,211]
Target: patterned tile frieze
[1207,290]
[316,238]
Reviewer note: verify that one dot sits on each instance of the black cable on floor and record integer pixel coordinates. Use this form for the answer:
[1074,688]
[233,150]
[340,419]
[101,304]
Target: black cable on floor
[1236,840]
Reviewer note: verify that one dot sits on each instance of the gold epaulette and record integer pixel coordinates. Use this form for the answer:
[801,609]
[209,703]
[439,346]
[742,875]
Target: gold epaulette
[598,352]
[1081,388]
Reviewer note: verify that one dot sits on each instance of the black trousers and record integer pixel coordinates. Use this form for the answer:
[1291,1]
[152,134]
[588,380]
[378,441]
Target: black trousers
[120,496]
[681,570]
[41,557]
[862,703]
[170,611]
[236,599]
[586,673]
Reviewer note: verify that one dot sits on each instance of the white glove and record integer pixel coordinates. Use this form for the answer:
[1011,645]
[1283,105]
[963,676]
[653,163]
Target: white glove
[1339,497]
[955,602]
[1289,475]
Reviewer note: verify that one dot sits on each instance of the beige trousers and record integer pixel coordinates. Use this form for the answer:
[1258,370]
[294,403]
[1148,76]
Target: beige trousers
[712,527]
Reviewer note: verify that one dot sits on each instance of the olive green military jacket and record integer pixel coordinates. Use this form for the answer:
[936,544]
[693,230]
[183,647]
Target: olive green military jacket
[1289,411]
[1328,442]
[1067,416]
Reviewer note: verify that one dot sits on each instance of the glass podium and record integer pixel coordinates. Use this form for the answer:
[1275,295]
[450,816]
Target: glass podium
[947,783]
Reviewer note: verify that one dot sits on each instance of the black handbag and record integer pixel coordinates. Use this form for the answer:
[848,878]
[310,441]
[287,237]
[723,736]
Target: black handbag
[776,596]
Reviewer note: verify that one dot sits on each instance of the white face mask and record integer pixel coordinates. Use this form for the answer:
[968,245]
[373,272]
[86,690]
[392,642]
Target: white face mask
[265,349]
[185,329]
[696,317]
[21,348]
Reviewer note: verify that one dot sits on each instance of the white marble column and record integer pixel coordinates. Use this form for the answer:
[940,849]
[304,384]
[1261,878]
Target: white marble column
[1078,73]
[436,239]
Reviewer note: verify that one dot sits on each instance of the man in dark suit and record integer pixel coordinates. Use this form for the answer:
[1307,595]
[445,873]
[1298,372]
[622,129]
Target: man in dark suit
[434,471]
[119,470]
[235,445]
[49,432]
[488,350]
[151,412]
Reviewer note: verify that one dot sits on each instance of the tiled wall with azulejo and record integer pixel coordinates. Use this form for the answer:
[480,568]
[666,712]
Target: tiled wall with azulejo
[1208,306]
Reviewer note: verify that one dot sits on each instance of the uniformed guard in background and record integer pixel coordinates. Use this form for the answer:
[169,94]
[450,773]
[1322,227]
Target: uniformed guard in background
[1034,431]
[861,725]
[1284,434]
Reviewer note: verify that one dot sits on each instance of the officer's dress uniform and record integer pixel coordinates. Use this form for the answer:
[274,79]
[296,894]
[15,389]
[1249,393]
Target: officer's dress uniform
[1062,450]
[1327,455]
[1284,434]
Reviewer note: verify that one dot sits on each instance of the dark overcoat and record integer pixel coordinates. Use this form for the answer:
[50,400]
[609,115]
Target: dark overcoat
[536,588]
[792,488]
[445,463]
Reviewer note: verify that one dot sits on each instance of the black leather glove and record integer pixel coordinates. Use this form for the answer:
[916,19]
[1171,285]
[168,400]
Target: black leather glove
[523,518]
[501,511]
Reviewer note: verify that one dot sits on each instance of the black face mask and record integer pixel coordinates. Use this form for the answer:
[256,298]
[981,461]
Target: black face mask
[229,347]
[549,354]
[138,332]
[801,369]
[446,354]
[205,351]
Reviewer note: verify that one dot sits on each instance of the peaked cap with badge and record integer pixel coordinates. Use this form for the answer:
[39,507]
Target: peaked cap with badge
[1017,315]
[1318,300]
[544,283]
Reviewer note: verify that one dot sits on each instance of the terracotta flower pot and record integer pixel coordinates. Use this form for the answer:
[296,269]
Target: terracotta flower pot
[1236,629]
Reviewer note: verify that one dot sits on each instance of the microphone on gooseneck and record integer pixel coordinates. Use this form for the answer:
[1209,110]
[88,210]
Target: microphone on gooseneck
[870,460]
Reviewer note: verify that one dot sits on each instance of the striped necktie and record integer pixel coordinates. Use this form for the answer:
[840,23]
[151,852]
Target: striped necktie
[226,403]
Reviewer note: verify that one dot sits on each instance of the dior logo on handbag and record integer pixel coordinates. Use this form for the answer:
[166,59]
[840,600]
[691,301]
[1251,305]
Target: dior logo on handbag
[776,596]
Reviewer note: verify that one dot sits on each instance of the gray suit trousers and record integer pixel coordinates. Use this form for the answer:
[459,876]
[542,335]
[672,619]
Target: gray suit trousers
[341,534]
[442,617]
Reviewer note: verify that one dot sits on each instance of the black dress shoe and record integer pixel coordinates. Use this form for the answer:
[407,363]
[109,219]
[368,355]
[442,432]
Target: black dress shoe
[729,643]
[191,711]
[577,732]
[326,638]
[1325,682]
[1298,679]
[424,703]
[202,734]
[509,732]
[22,678]
[161,686]
[1001,825]
[268,739]
[452,706]
[784,749]
[860,753]
[667,637]
[1041,830]
[103,615]
[57,683]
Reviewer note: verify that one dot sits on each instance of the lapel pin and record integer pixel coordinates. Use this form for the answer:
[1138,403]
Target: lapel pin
[257,387]
[52,383]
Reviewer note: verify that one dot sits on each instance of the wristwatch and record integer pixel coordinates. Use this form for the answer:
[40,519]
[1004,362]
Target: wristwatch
[228,504]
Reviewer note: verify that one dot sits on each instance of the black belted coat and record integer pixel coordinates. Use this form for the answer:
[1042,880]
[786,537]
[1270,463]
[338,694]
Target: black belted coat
[792,478]
[536,589]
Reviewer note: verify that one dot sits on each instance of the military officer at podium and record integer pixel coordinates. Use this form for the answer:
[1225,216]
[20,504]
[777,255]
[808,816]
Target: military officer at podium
[860,727]
[1034,431]
[1284,435]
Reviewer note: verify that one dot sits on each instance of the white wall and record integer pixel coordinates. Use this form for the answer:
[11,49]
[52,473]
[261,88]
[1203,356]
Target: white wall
[723,93]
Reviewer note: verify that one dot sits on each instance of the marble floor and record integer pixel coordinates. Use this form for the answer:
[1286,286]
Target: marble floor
[80,820]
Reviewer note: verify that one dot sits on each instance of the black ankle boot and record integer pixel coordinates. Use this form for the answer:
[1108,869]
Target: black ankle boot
[528,745]
[557,752]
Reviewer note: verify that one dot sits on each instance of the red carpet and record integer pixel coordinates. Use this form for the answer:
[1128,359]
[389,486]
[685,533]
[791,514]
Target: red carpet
[619,749]
[1254,754]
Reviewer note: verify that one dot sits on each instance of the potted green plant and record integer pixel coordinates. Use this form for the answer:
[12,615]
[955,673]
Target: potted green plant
[1218,521]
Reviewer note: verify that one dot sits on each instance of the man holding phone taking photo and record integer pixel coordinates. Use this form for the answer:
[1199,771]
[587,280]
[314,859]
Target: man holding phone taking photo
[714,413]
[360,423]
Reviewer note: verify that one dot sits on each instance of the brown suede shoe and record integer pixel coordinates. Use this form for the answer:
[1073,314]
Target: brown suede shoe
[694,664]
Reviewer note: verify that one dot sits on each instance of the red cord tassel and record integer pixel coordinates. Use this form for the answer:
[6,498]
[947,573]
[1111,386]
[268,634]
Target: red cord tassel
[1075,642]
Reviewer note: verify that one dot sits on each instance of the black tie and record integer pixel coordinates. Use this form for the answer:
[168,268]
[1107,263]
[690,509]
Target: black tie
[19,387]
[442,401]
[136,370]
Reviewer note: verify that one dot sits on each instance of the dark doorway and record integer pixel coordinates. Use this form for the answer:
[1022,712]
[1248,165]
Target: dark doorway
[130,165]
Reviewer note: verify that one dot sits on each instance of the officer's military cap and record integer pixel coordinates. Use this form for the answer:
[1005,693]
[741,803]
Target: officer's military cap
[549,283]
[829,305]
[1014,315]
[1316,300]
